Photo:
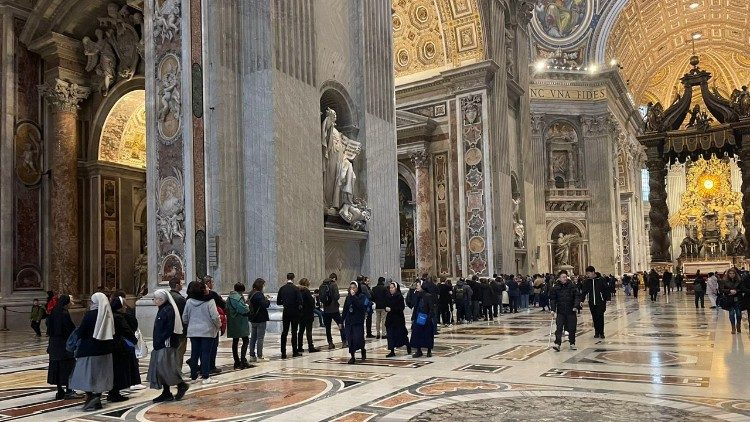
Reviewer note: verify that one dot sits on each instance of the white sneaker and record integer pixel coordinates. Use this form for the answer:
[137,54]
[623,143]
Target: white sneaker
[573,347]
[263,359]
[137,387]
[209,381]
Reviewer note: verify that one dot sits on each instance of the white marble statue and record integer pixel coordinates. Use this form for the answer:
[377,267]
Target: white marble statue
[338,172]
[564,243]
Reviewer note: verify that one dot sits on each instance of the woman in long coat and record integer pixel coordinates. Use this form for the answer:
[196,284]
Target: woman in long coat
[395,322]
[61,361]
[126,370]
[165,367]
[422,335]
[93,370]
[238,326]
[355,311]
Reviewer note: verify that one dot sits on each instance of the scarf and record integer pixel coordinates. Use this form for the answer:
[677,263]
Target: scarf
[105,322]
[167,297]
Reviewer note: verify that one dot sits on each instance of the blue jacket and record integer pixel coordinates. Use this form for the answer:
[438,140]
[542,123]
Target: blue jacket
[355,309]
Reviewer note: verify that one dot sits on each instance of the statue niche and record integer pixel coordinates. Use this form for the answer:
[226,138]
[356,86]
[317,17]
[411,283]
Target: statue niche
[339,152]
[561,141]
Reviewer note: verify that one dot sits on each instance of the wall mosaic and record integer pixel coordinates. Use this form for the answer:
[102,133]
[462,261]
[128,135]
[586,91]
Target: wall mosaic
[562,21]
[123,138]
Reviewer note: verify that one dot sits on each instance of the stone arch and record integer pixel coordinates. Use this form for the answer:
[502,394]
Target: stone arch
[117,92]
[335,96]
[407,174]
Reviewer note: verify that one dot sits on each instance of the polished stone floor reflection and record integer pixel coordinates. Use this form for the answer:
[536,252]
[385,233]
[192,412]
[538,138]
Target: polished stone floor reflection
[664,361]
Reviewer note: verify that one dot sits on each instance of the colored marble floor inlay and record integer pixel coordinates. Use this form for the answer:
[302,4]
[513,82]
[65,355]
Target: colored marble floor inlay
[663,361]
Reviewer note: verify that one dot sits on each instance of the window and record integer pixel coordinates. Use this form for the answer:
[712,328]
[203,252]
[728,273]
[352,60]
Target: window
[645,189]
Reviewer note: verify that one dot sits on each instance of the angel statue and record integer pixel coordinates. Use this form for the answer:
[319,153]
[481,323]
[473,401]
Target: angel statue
[695,114]
[654,117]
[741,101]
[564,243]
[101,58]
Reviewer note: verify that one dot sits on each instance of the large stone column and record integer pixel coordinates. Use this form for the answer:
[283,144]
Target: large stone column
[744,164]
[424,238]
[659,232]
[63,98]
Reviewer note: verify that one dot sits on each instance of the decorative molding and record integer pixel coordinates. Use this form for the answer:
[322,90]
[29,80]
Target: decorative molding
[64,95]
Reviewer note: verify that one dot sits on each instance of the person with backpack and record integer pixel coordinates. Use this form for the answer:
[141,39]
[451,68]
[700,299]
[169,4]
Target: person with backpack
[37,314]
[306,318]
[329,297]
[475,310]
[238,326]
[257,313]
[379,294]
[524,288]
[462,297]
[699,290]
[445,297]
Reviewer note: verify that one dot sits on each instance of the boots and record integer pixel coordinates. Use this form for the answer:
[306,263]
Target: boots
[237,364]
[114,396]
[390,355]
[166,395]
[429,353]
[181,390]
[60,393]
[734,329]
[93,402]
[352,361]
[364,354]
[408,350]
[245,364]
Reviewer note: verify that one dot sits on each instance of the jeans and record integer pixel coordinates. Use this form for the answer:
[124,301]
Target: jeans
[235,342]
[487,312]
[380,322]
[327,320]
[460,312]
[200,351]
[699,297]
[214,351]
[513,303]
[566,321]
[735,315]
[285,332]
[524,301]
[318,313]
[305,326]
[257,333]
[628,290]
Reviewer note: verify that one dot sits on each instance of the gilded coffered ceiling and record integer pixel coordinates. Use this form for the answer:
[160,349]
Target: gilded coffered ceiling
[432,35]
[652,40]
[123,138]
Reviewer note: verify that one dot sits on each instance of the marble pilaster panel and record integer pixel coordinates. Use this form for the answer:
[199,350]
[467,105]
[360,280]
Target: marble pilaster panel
[424,237]
[676,186]
[63,98]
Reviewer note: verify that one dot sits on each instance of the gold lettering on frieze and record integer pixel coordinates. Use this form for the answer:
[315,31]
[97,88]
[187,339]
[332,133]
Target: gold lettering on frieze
[538,92]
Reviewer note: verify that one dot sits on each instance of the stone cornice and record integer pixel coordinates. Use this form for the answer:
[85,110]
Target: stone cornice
[53,45]
[450,82]
[410,125]
[406,151]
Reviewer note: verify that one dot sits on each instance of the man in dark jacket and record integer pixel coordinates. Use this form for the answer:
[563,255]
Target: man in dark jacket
[564,302]
[666,279]
[476,298]
[379,295]
[445,298]
[291,299]
[596,291]
[329,298]
[175,287]
[430,287]
[462,296]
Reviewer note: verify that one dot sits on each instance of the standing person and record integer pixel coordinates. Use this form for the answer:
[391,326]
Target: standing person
[291,299]
[653,284]
[37,313]
[678,280]
[524,289]
[165,366]
[221,308]
[379,295]
[307,317]
[355,310]
[429,286]
[730,286]
[497,296]
[126,370]
[513,293]
[635,283]
[476,298]
[238,326]
[203,323]
[422,329]
[61,361]
[564,301]
[666,279]
[93,370]
[745,292]
[50,304]
[444,301]
[487,300]
[329,297]
[699,291]
[395,322]
[175,289]
[711,287]
[364,287]
[462,296]
[596,291]
[626,285]
[544,296]
[258,304]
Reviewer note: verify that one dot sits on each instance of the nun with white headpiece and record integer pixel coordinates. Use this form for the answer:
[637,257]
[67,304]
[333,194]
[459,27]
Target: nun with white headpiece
[164,369]
[355,311]
[93,371]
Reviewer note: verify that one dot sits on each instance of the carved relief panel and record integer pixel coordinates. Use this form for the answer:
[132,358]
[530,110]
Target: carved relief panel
[561,142]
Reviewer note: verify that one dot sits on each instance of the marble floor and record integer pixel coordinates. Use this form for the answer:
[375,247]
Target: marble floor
[665,361]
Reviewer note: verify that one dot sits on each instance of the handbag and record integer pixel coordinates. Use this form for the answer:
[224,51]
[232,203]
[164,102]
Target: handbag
[421,319]
[141,349]
[73,342]
[725,302]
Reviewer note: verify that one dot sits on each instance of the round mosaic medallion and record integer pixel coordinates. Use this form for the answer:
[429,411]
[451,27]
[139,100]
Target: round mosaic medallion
[473,156]
[476,244]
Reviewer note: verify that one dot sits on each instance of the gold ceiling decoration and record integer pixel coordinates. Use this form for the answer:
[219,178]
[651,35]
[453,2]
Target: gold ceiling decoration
[709,191]
[123,138]
[432,35]
[651,39]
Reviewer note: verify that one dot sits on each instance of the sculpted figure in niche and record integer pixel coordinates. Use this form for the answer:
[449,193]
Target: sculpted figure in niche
[338,170]
[170,96]
[564,243]
[101,58]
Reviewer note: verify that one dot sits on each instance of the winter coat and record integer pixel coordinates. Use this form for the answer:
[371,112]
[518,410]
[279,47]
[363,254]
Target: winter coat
[379,294]
[308,304]
[89,345]
[164,335]
[259,304]
[513,289]
[237,324]
[291,299]
[333,307]
[202,318]
[563,298]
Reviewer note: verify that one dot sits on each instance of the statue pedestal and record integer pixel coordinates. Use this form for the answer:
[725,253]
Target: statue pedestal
[344,252]
[568,268]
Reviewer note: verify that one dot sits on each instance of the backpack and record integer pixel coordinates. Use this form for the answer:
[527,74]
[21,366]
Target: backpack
[326,296]
[698,287]
[459,293]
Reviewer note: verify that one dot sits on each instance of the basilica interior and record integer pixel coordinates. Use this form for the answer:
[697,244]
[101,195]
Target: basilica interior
[143,141]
